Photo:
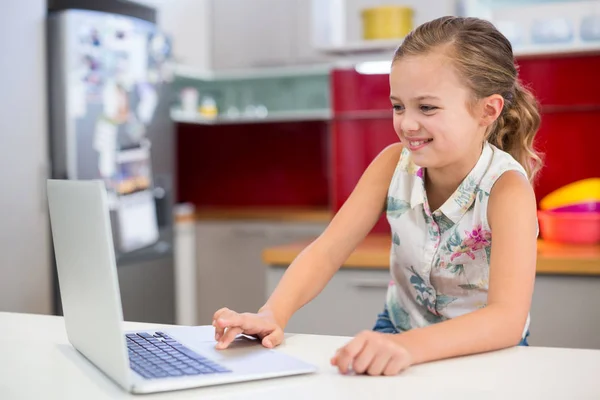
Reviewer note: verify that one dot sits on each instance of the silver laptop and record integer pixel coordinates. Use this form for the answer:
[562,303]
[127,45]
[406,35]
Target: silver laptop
[141,362]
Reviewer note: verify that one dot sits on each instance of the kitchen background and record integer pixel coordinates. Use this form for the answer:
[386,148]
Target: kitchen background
[228,133]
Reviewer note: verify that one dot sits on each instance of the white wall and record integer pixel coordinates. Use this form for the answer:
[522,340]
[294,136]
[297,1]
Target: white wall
[188,23]
[25,274]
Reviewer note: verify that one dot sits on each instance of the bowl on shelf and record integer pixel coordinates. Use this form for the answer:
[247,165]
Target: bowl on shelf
[387,22]
[570,227]
[588,206]
[585,190]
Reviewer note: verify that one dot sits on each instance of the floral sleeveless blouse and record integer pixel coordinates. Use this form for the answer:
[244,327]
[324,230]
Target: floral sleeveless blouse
[440,259]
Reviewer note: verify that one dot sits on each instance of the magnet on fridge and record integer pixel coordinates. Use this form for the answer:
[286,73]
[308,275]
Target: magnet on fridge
[77,105]
[105,143]
[147,103]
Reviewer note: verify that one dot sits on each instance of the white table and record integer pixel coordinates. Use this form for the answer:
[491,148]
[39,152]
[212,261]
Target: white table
[37,362]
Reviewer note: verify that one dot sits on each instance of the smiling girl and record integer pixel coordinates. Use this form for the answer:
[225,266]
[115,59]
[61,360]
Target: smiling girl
[458,197]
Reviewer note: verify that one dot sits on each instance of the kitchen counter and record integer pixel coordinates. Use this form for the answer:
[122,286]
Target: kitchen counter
[373,253]
[283,214]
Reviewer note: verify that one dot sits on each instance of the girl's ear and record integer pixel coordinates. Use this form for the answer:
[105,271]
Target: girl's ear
[492,108]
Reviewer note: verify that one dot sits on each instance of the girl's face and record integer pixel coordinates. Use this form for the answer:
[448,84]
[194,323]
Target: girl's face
[431,114]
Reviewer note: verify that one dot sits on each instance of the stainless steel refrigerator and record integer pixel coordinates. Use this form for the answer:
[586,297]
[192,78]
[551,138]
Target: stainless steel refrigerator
[109,117]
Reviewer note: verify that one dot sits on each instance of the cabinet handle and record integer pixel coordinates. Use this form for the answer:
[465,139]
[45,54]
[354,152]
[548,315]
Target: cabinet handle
[370,284]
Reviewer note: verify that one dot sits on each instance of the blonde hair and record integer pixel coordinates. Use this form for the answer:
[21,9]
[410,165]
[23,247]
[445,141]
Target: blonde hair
[484,59]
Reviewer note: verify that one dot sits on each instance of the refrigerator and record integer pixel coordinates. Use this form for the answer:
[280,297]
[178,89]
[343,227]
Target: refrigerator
[109,100]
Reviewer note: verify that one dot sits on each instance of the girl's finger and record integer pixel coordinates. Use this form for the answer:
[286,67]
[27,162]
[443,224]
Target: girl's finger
[228,337]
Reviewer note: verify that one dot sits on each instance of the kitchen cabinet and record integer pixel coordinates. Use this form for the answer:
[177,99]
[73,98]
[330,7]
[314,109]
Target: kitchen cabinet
[564,311]
[251,33]
[259,33]
[188,24]
[238,34]
[349,303]
[230,271]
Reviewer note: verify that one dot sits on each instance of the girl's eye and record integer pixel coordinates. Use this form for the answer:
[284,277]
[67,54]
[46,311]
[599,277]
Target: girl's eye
[397,108]
[428,108]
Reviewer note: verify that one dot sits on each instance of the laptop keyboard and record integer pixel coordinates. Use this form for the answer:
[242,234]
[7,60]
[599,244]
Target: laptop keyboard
[160,356]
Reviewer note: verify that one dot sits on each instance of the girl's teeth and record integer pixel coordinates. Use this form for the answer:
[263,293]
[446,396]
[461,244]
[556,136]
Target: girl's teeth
[418,143]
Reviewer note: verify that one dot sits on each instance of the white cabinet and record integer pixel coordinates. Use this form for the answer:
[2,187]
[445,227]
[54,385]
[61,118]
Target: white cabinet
[259,33]
[565,312]
[238,34]
[349,303]
[230,269]
[188,23]
[304,49]
[252,33]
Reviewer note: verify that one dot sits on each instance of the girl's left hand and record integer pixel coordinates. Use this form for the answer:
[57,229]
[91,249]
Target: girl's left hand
[372,353]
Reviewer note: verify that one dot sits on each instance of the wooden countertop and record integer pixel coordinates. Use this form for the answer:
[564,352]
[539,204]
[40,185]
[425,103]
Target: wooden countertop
[284,214]
[373,252]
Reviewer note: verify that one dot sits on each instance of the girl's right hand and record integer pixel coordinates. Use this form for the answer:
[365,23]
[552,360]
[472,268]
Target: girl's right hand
[228,324]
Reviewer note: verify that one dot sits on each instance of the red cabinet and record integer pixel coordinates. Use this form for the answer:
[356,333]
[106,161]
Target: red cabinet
[318,163]
[564,81]
[254,165]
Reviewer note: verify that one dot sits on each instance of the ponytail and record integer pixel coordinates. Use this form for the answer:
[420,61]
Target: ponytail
[516,127]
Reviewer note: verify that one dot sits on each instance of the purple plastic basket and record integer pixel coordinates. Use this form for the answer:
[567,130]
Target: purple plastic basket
[590,206]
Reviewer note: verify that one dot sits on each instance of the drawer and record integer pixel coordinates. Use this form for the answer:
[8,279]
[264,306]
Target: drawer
[349,303]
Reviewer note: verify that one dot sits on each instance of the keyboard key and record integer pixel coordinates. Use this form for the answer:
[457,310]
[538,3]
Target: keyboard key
[190,371]
[159,356]
[189,353]
[141,371]
[203,369]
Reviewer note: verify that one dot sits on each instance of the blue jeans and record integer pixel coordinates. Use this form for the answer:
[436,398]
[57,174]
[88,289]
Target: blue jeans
[385,325]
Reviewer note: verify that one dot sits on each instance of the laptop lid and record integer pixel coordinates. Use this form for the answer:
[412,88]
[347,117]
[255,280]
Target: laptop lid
[87,274]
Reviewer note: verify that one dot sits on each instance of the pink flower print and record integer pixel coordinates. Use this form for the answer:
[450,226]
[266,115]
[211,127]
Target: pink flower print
[477,239]
[461,251]
[420,173]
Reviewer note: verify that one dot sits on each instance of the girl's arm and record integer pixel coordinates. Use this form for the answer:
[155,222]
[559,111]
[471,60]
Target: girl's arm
[512,217]
[316,264]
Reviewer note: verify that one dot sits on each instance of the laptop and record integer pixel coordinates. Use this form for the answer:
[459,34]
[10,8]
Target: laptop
[148,361]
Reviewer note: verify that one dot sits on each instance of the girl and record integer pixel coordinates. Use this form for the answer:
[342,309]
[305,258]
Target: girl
[457,193]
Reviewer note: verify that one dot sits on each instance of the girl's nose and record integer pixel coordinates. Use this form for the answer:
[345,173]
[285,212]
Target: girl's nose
[408,124]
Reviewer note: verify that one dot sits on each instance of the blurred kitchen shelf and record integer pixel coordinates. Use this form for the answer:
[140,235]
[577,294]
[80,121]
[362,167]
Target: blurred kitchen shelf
[276,116]
[556,49]
[183,71]
[385,48]
[363,46]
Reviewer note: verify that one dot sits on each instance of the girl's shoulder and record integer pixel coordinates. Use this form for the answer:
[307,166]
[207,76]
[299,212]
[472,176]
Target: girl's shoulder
[500,163]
